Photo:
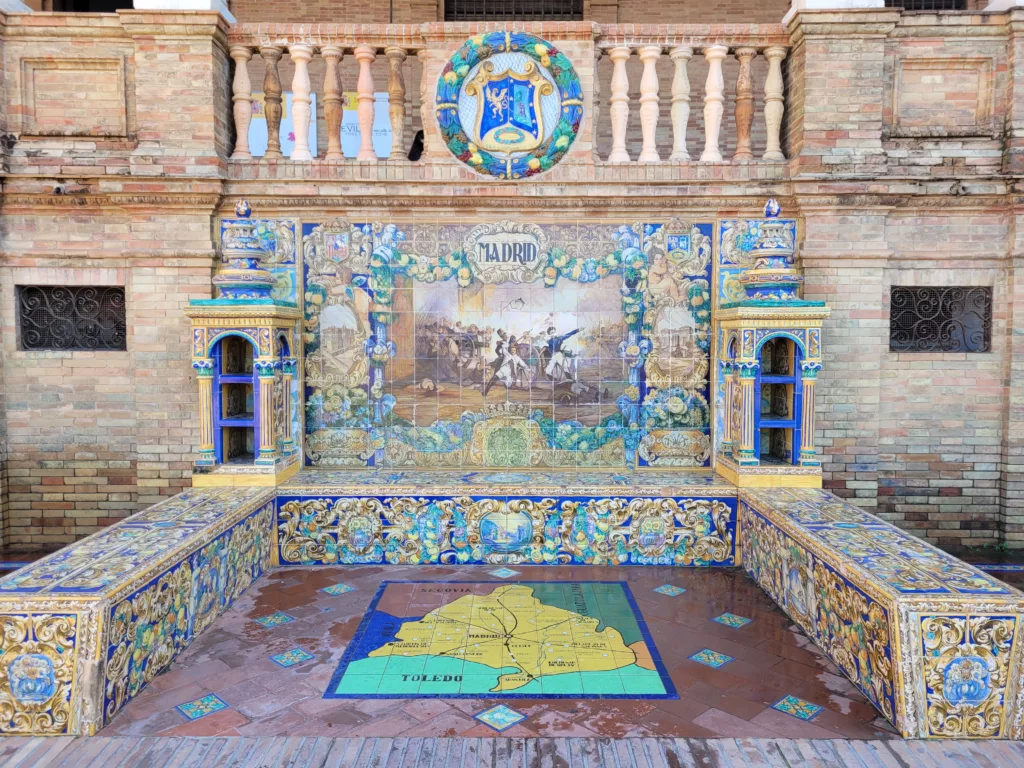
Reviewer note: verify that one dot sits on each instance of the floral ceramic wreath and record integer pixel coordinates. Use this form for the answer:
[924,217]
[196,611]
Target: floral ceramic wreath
[449,87]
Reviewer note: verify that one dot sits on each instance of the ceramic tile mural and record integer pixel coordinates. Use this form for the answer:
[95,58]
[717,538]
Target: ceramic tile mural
[453,529]
[930,640]
[507,344]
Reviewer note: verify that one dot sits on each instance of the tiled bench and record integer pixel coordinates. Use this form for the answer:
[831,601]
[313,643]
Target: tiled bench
[933,642]
[87,628]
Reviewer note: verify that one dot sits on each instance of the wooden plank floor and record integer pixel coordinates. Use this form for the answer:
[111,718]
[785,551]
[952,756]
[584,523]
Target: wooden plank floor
[320,752]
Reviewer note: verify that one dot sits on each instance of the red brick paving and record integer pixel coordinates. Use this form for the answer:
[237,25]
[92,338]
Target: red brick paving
[773,659]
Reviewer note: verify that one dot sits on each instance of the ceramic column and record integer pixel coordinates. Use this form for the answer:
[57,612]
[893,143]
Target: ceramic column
[809,377]
[333,105]
[744,105]
[773,105]
[301,100]
[727,377]
[265,373]
[288,368]
[241,97]
[649,101]
[272,100]
[680,103]
[619,104]
[745,439]
[204,373]
[714,98]
[365,55]
[396,101]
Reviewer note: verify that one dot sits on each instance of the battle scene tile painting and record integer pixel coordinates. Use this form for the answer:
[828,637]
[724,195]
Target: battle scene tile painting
[507,344]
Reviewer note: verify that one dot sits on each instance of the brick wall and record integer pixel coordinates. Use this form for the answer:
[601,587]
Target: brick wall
[94,436]
[420,11]
[892,185]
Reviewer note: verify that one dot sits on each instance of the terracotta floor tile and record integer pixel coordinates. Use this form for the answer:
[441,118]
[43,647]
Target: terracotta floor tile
[723,724]
[772,658]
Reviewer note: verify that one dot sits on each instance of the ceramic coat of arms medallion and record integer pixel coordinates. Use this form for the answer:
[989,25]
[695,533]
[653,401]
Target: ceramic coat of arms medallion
[509,104]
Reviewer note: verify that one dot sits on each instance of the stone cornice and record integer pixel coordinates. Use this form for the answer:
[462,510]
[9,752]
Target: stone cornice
[849,23]
[201,202]
[175,25]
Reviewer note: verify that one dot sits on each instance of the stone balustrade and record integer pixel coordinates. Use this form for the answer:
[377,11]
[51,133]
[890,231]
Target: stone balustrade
[681,44]
[584,44]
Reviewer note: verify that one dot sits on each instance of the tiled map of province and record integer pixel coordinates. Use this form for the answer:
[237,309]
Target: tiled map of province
[533,640]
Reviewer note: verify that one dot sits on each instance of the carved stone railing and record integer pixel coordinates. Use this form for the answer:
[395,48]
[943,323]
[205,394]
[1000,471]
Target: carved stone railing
[583,43]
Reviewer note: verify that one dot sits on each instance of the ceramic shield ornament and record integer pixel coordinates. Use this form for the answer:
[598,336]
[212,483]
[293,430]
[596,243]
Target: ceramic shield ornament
[509,105]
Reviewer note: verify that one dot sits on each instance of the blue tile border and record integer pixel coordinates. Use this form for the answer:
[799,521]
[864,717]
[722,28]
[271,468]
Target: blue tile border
[351,649]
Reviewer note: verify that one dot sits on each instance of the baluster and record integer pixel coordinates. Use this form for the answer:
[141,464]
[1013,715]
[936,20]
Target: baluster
[432,61]
[680,103]
[365,55]
[272,100]
[333,101]
[241,97]
[713,103]
[619,104]
[744,105]
[301,101]
[773,105]
[649,101]
[595,122]
[396,101]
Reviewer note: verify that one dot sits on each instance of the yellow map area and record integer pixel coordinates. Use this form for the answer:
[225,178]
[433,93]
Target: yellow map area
[511,628]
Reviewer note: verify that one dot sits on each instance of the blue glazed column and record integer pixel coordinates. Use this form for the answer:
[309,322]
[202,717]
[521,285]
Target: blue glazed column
[265,419]
[745,448]
[288,367]
[204,372]
[809,377]
[728,438]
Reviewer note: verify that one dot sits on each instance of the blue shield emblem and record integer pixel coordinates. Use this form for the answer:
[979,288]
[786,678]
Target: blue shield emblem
[509,117]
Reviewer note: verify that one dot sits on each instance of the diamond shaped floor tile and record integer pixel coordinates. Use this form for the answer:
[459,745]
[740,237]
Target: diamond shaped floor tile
[798,708]
[503,573]
[197,708]
[274,619]
[710,658]
[732,620]
[292,657]
[338,589]
[500,717]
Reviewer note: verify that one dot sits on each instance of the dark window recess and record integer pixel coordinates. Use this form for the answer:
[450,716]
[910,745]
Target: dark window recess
[928,5]
[86,6]
[513,10]
[71,317]
[940,319]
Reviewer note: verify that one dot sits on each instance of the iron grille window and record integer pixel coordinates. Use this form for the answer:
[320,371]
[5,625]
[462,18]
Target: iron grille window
[940,319]
[928,5]
[513,10]
[54,317]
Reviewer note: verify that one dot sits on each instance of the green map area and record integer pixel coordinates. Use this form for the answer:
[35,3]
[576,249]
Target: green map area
[515,640]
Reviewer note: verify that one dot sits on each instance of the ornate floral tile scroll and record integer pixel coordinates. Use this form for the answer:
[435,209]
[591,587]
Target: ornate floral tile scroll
[507,344]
